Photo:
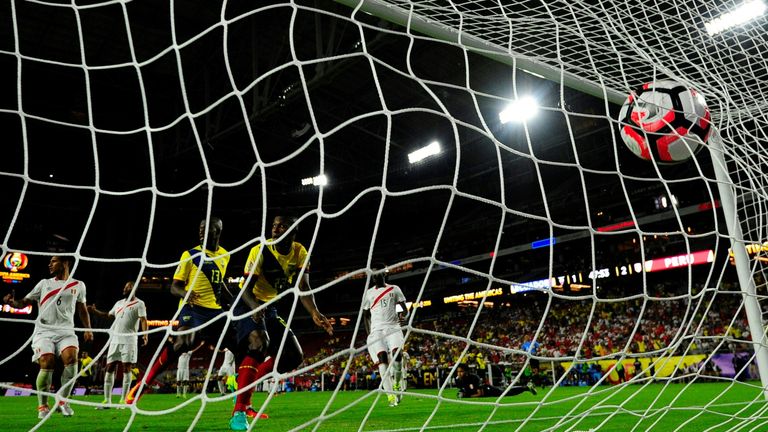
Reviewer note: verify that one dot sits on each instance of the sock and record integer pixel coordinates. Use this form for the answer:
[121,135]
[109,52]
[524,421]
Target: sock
[178,388]
[68,379]
[246,374]
[264,368]
[109,382]
[386,381]
[43,384]
[397,374]
[184,390]
[222,387]
[126,384]
[166,357]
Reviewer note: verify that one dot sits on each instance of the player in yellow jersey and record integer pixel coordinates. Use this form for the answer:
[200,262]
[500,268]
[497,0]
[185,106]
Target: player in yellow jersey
[199,282]
[270,269]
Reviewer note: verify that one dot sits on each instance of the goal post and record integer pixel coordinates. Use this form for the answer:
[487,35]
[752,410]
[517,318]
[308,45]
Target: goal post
[396,14]
[745,274]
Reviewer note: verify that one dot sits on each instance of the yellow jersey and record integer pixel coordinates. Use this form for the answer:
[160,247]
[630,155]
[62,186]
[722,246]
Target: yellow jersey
[274,272]
[205,278]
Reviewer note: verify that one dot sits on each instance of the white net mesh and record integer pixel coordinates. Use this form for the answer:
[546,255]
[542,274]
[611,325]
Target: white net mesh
[128,122]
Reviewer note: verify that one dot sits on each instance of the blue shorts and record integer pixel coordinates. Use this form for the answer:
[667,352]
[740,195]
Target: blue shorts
[245,326]
[193,316]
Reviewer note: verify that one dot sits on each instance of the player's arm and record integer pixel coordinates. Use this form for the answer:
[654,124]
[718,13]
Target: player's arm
[308,301]
[248,297]
[17,304]
[402,316]
[143,325]
[178,289]
[92,309]
[197,347]
[367,320]
[476,387]
[85,318]
[180,278]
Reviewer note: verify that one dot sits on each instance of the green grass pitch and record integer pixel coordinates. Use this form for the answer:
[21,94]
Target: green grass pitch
[656,407]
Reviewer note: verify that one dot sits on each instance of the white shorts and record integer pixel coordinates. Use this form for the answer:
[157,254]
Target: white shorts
[182,374]
[51,342]
[226,371]
[386,340]
[124,353]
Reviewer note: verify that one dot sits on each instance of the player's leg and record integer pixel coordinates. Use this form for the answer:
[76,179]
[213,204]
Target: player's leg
[516,390]
[129,355]
[69,374]
[377,349]
[179,381]
[113,360]
[221,382]
[185,382]
[395,342]
[192,317]
[251,340]
[291,354]
[109,381]
[43,355]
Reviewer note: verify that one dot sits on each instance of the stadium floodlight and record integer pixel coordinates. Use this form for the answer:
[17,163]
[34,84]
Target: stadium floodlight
[747,11]
[519,111]
[432,149]
[320,180]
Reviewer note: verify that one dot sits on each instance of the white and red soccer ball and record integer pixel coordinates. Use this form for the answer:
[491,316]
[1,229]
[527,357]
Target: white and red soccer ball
[664,121]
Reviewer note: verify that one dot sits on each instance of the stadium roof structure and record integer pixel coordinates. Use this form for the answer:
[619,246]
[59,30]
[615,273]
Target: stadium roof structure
[79,78]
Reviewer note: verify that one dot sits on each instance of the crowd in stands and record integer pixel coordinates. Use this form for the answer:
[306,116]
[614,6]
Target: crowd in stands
[648,326]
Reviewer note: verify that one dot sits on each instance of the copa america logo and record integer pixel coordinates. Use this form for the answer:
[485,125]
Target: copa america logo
[15,261]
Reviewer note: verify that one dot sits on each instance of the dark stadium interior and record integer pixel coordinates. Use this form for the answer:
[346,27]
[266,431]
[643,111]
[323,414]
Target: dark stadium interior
[142,190]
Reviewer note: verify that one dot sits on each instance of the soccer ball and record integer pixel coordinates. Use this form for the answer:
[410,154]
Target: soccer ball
[664,121]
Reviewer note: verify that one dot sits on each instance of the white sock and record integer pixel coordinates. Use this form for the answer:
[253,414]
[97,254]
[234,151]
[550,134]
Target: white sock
[397,372]
[185,388]
[126,384]
[109,383]
[222,387]
[43,383]
[68,379]
[386,381]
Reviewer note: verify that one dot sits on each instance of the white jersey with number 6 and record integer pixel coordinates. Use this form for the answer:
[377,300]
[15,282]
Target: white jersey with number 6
[56,300]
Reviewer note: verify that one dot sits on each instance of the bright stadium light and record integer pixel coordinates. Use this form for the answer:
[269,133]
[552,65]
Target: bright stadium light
[747,11]
[520,110]
[432,149]
[320,180]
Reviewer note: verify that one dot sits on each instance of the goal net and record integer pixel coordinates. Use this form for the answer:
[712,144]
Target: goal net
[472,146]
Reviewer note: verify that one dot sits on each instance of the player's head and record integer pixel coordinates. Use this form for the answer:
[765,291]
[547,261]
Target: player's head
[128,288]
[213,230]
[461,370]
[60,266]
[281,224]
[380,272]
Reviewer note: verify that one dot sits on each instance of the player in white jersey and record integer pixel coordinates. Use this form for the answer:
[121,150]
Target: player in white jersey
[57,299]
[382,321]
[129,314]
[226,370]
[182,372]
